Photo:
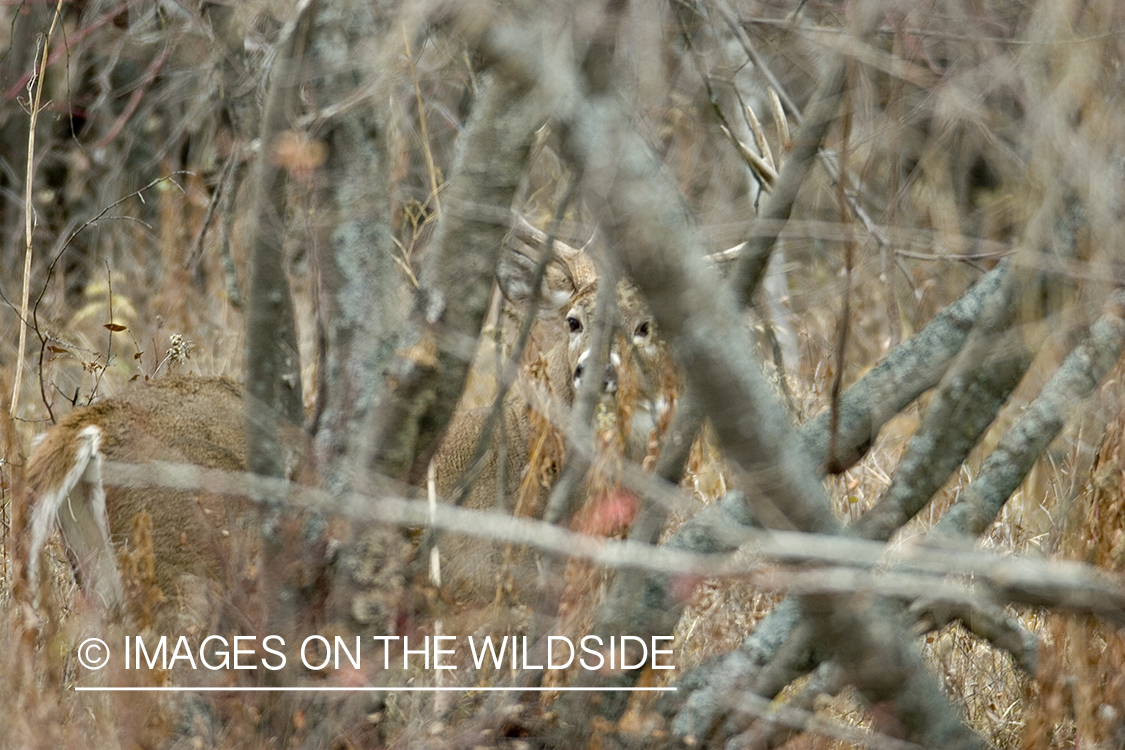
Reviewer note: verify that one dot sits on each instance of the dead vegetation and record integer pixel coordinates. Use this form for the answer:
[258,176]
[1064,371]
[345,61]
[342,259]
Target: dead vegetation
[962,134]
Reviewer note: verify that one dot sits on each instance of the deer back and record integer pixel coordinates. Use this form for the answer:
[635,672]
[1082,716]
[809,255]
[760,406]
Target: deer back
[119,538]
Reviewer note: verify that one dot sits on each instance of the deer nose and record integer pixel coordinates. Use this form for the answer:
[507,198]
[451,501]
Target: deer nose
[609,384]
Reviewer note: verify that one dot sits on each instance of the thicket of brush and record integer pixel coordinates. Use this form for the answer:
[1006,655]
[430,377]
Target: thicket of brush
[959,123]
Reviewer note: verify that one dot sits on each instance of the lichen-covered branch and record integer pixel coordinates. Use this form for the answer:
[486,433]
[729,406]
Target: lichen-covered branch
[456,283]
[273,368]
[872,646]
[361,296]
[908,370]
[979,504]
[970,396]
[1038,425]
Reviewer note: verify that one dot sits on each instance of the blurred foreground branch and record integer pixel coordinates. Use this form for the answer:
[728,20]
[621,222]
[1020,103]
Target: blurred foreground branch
[859,565]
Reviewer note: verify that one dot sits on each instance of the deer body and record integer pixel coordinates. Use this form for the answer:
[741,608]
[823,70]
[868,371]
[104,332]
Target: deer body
[179,420]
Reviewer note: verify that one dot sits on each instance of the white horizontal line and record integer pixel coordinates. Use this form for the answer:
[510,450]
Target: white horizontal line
[178,689]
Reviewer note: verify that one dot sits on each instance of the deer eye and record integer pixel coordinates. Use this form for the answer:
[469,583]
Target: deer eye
[574,324]
[641,331]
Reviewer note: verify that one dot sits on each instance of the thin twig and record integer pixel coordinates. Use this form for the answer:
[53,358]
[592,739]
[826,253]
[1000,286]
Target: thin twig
[223,184]
[29,227]
[431,167]
[849,565]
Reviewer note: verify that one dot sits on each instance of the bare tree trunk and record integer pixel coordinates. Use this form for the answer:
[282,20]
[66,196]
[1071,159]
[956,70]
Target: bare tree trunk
[273,367]
[456,283]
[363,301]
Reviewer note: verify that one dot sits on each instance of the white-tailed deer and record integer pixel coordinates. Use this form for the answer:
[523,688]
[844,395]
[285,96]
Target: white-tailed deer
[177,539]
[168,555]
[635,379]
[134,546]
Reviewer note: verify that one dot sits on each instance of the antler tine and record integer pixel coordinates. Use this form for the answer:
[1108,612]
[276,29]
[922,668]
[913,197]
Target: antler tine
[575,261]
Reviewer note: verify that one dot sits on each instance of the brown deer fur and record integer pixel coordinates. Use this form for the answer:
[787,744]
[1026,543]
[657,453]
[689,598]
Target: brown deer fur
[174,419]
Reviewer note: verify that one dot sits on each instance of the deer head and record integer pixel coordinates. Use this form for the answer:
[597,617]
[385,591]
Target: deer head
[638,375]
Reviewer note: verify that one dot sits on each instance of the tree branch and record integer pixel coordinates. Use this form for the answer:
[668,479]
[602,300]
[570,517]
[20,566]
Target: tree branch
[273,367]
[972,392]
[1038,425]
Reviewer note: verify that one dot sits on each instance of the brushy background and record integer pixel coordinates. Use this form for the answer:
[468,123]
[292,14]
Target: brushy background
[140,197]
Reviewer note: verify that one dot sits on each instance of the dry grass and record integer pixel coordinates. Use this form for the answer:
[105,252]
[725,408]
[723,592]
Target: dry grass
[135,275]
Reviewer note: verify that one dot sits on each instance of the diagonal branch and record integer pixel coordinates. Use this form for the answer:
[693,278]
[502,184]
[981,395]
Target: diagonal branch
[972,392]
[456,284]
[1038,425]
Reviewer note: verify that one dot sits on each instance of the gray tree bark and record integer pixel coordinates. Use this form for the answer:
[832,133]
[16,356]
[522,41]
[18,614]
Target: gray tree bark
[456,282]
[363,301]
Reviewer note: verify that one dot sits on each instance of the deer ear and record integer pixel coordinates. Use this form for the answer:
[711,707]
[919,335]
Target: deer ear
[516,275]
[570,270]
